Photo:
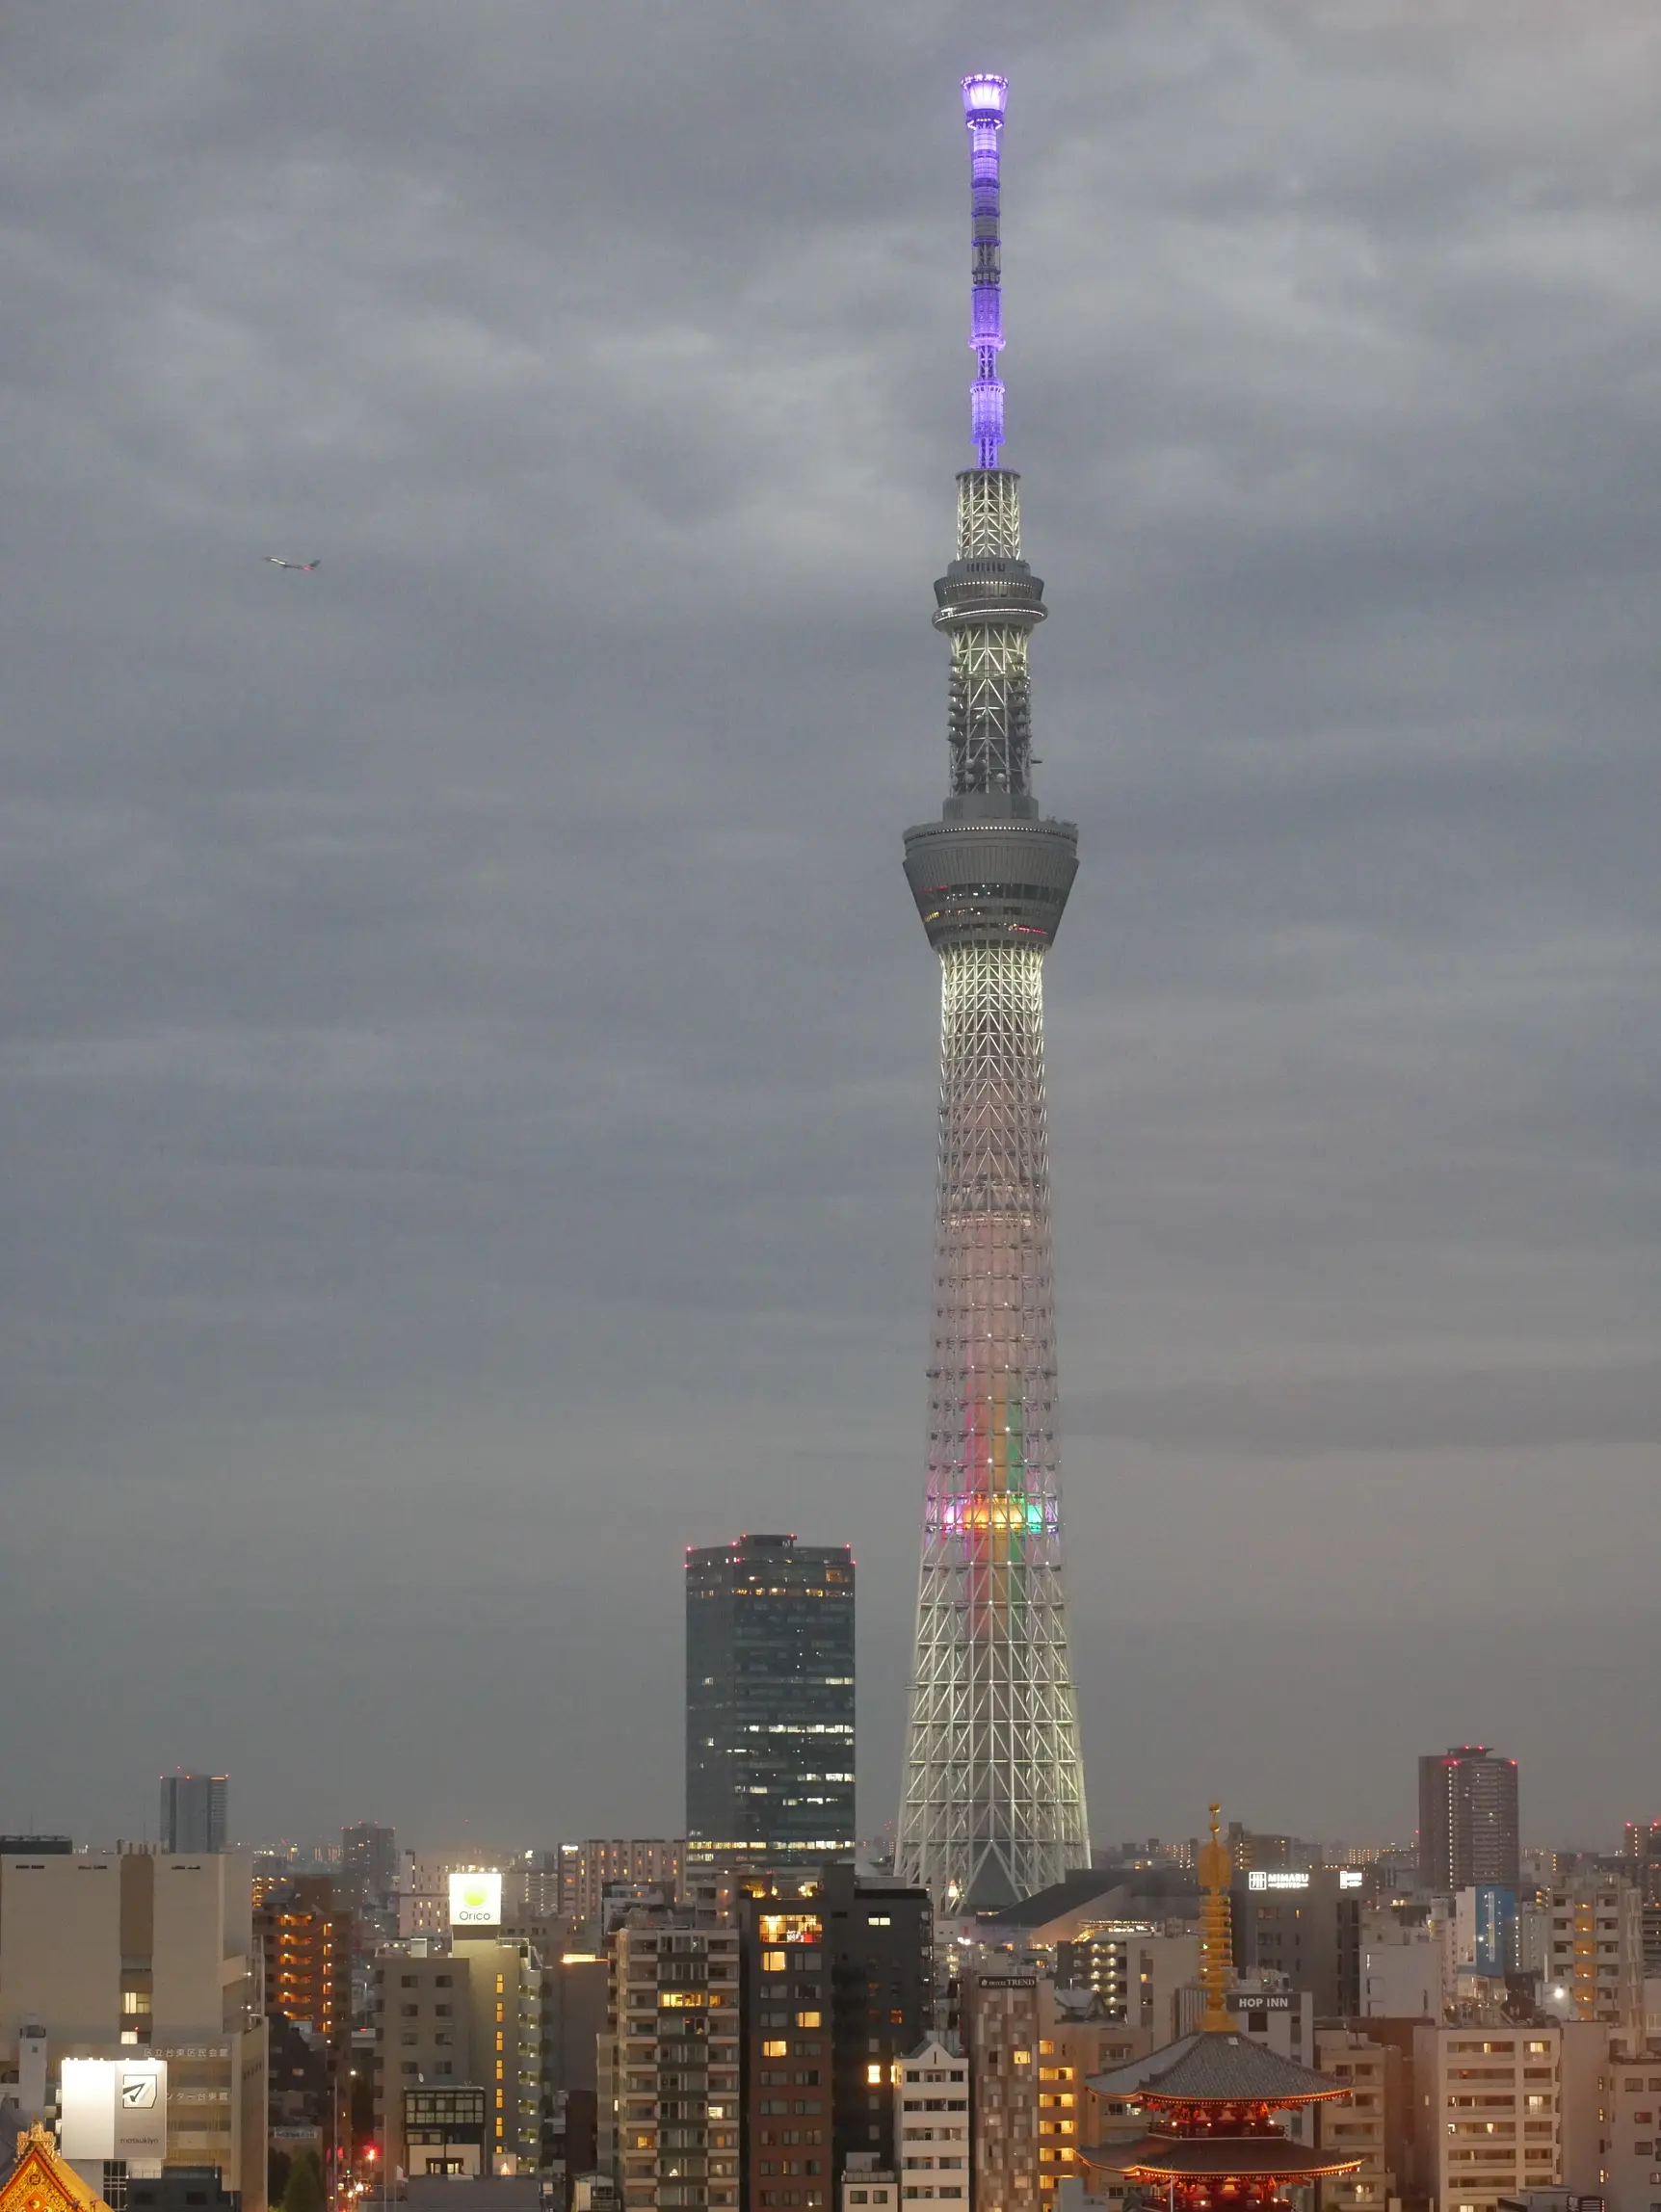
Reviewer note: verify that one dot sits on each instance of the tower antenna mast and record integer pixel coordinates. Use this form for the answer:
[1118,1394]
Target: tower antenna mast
[985,99]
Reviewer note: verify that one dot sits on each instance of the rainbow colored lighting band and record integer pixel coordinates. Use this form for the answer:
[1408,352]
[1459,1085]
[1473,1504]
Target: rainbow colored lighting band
[1011,1513]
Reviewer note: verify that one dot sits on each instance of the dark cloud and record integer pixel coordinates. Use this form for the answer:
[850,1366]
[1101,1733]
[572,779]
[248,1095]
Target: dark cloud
[468,1053]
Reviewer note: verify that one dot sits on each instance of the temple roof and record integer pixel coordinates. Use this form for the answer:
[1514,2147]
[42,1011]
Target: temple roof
[1216,2068]
[43,2180]
[1201,2158]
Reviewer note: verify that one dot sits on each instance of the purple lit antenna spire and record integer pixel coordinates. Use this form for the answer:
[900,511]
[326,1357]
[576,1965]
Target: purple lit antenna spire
[985,99]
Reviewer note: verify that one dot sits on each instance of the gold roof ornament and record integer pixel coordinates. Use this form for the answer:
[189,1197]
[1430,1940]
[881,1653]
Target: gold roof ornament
[44,2180]
[1216,1942]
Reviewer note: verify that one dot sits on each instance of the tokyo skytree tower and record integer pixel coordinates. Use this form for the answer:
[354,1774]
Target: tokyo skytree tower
[993,1802]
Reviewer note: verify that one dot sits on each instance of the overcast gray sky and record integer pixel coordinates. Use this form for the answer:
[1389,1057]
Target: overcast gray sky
[468,1055]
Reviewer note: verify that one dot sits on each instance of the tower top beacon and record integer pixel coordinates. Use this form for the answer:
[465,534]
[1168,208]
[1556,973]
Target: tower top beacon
[985,101]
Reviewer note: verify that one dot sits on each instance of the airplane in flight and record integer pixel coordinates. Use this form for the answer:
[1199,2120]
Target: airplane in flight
[304,566]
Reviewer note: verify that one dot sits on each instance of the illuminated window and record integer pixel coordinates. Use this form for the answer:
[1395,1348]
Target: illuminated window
[874,2071]
[791,1928]
[773,1962]
[807,2021]
[681,2000]
[775,2050]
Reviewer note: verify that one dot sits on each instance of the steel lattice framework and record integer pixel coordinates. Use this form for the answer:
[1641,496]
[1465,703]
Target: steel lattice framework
[993,1804]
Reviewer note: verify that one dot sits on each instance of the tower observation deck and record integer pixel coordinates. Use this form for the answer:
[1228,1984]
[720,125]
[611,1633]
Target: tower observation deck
[993,1806]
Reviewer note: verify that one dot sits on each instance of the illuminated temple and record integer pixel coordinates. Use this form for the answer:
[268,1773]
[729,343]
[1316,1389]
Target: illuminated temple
[1212,2099]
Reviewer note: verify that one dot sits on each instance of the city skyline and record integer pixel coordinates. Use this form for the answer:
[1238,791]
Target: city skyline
[465,1117]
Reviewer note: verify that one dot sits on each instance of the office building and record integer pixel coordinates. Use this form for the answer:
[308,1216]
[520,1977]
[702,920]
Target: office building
[932,2125]
[669,2064]
[368,1869]
[466,2019]
[1490,2112]
[1594,1963]
[838,1984]
[140,1957]
[1304,1924]
[1468,1820]
[193,1812]
[992,1797]
[769,1704]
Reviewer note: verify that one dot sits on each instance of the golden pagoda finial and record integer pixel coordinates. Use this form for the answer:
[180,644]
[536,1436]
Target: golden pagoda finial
[1215,1949]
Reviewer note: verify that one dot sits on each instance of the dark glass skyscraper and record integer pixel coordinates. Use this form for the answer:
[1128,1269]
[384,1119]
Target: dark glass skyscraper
[769,1704]
[193,1812]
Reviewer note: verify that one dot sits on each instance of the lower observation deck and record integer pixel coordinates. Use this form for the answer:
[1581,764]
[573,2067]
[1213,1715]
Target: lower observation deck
[990,872]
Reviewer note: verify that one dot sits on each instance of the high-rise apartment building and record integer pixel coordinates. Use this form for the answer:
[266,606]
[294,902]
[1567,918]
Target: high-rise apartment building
[992,1802]
[304,1938]
[368,1868]
[998,2027]
[931,2121]
[192,1812]
[1595,1960]
[838,1985]
[668,2063]
[1489,2114]
[769,1704]
[1467,1820]
[142,1955]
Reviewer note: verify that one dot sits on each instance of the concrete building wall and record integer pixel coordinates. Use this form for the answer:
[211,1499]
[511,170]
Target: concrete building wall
[1404,1968]
[195,1953]
[61,1947]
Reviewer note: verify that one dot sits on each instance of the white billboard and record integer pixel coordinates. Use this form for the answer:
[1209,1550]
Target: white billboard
[113,2108]
[475,1897]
